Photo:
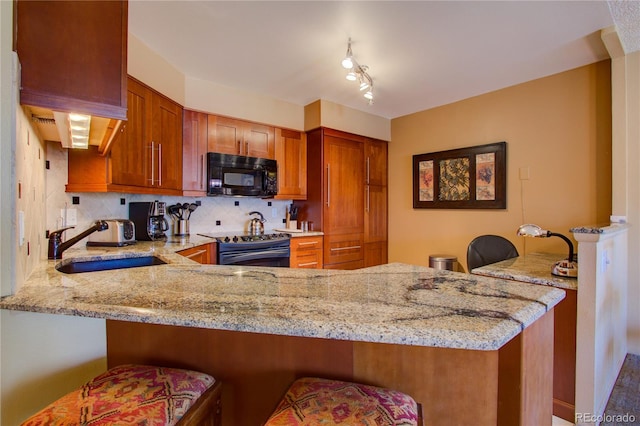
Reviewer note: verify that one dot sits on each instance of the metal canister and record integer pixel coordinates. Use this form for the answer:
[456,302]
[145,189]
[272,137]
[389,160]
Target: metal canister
[443,261]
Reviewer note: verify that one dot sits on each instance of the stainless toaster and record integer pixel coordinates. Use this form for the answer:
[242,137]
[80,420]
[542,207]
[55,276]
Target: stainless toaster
[121,232]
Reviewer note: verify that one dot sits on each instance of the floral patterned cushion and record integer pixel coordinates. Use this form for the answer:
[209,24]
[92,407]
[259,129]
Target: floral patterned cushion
[315,401]
[128,395]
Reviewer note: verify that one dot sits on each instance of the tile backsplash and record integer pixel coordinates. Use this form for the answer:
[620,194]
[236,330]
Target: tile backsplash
[93,206]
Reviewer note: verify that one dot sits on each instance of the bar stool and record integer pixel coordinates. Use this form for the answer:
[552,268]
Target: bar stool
[138,394]
[314,401]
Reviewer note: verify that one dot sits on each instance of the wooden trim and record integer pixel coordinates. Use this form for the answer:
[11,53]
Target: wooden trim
[455,387]
[526,363]
[512,386]
[113,128]
[207,411]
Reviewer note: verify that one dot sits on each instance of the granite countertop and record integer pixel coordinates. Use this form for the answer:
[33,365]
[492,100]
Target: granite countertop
[394,303]
[534,268]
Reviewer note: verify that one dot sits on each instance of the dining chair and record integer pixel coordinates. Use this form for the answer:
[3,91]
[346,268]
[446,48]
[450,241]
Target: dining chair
[487,249]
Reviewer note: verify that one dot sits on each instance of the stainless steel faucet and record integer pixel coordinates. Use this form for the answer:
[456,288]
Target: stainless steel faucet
[56,246]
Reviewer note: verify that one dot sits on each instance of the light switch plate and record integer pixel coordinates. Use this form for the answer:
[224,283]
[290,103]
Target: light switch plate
[69,217]
[21,227]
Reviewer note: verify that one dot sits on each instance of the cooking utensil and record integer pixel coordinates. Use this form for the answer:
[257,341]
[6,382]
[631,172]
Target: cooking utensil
[174,210]
[192,208]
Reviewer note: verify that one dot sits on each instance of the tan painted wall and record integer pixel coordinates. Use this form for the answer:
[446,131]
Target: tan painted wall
[558,127]
[335,116]
[200,95]
[152,69]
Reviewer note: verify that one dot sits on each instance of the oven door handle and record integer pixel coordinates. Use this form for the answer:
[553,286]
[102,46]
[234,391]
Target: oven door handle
[233,257]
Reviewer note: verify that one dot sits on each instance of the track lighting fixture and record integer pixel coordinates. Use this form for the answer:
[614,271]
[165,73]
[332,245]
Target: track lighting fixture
[358,73]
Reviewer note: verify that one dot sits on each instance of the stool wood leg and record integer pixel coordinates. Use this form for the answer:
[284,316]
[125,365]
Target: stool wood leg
[207,411]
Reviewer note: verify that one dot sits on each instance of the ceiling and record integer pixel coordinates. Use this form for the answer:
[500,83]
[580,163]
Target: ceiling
[420,54]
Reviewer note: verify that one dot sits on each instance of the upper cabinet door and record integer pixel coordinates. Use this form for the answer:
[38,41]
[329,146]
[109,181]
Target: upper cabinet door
[259,141]
[291,156]
[73,55]
[238,137]
[225,135]
[166,139]
[194,153]
[131,153]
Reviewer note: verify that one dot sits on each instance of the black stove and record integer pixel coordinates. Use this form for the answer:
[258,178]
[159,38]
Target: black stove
[256,250]
[248,238]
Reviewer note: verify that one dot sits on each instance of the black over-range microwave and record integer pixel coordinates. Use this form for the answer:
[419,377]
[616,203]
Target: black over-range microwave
[239,175]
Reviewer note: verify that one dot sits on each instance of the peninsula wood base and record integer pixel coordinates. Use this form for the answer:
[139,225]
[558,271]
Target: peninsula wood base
[511,386]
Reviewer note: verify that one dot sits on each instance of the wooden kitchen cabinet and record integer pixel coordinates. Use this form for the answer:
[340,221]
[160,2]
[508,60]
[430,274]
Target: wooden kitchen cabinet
[306,252]
[194,153]
[205,253]
[146,156]
[376,204]
[238,137]
[335,195]
[73,55]
[291,156]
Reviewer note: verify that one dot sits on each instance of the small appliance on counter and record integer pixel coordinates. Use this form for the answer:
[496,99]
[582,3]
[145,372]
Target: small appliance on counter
[120,232]
[149,221]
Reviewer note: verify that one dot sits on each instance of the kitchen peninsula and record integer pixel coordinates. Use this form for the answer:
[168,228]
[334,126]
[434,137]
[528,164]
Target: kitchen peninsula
[460,344]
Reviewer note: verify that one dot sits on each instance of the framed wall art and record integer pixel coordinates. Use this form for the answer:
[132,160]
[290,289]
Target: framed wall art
[464,178]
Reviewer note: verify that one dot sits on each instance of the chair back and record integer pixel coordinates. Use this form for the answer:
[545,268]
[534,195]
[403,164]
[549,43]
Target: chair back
[487,249]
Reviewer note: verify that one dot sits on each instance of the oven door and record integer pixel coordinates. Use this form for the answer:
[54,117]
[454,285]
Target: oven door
[278,257]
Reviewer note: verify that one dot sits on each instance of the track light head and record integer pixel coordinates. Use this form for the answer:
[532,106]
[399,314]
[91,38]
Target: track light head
[358,73]
[347,62]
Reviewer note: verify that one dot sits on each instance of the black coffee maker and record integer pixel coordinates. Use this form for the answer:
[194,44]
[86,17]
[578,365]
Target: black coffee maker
[149,221]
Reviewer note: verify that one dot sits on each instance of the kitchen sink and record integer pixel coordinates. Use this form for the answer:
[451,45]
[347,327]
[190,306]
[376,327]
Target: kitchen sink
[75,267]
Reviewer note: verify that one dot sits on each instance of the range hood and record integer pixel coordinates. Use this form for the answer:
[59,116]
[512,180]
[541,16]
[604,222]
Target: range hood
[54,126]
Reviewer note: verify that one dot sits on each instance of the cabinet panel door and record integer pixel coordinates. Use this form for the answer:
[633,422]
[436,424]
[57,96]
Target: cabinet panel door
[376,162]
[344,186]
[343,248]
[205,253]
[291,155]
[375,254]
[375,213]
[225,135]
[259,141]
[131,153]
[167,143]
[194,153]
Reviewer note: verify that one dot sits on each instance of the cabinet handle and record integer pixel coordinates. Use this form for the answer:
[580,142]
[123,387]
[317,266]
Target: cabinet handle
[159,164]
[368,197]
[203,166]
[368,170]
[239,147]
[345,248]
[309,243]
[194,254]
[153,163]
[328,185]
[246,148]
[307,264]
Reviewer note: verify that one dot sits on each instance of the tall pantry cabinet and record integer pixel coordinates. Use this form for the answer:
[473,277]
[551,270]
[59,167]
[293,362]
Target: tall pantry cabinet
[341,200]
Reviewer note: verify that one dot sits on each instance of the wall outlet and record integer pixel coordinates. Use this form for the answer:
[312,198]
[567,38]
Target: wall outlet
[69,217]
